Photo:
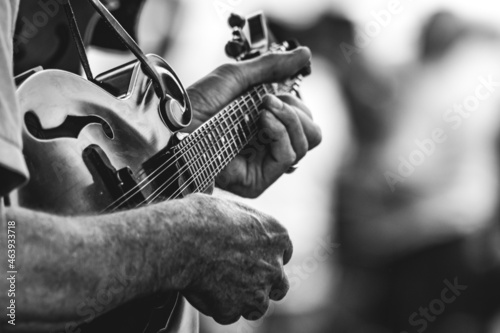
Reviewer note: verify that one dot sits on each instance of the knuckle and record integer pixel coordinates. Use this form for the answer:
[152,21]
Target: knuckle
[292,114]
[257,310]
[284,244]
[292,101]
[277,231]
[264,306]
[227,313]
[307,50]
[253,315]
[278,131]
[287,96]
[279,292]
[229,70]
[260,299]
[274,223]
[277,275]
[282,131]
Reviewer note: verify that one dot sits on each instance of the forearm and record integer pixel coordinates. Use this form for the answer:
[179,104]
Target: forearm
[65,264]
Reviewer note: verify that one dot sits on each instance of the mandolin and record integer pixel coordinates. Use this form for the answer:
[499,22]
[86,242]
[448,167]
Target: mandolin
[115,143]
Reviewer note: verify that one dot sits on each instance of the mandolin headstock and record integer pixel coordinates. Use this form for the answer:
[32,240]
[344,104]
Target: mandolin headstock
[251,38]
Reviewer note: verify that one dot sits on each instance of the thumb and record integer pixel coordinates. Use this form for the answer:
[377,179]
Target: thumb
[272,67]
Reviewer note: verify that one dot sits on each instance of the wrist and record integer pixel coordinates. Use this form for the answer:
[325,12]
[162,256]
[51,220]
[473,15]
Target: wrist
[144,248]
[174,245]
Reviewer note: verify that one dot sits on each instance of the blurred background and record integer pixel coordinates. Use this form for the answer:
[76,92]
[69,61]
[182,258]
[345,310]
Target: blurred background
[394,216]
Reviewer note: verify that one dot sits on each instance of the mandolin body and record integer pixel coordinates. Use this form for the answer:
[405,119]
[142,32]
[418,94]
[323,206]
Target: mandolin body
[63,115]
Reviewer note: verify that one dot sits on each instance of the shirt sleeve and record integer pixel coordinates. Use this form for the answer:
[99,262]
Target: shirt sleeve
[13,170]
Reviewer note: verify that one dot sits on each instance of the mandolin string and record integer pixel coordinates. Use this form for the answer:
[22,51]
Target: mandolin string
[205,182]
[218,168]
[258,92]
[231,110]
[197,158]
[204,167]
[195,135]
[255,89]
[184,186]
[208,180]
[221,165]
[216,156]
[213,174]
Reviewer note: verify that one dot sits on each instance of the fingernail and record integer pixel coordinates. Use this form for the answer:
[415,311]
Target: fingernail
[274,103]
[267,115]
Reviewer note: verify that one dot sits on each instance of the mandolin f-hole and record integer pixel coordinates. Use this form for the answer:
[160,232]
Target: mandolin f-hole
[70,128]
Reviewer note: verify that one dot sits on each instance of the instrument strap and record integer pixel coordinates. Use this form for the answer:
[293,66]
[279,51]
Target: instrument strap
[122,35]
[77,37]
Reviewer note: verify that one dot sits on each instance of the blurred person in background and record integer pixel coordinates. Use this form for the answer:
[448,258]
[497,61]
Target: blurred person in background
[418,202]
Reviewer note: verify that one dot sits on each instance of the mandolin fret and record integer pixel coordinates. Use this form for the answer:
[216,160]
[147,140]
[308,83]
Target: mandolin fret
[215,144]
[218,141]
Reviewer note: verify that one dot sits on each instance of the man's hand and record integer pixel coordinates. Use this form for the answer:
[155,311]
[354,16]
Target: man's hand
[237,256]
[286,121]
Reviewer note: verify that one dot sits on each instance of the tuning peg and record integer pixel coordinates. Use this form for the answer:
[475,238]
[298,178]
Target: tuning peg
[236,21]
[234,49]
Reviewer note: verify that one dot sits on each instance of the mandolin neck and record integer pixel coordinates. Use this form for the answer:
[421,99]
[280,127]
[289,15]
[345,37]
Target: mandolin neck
[210,148]
[203,154]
